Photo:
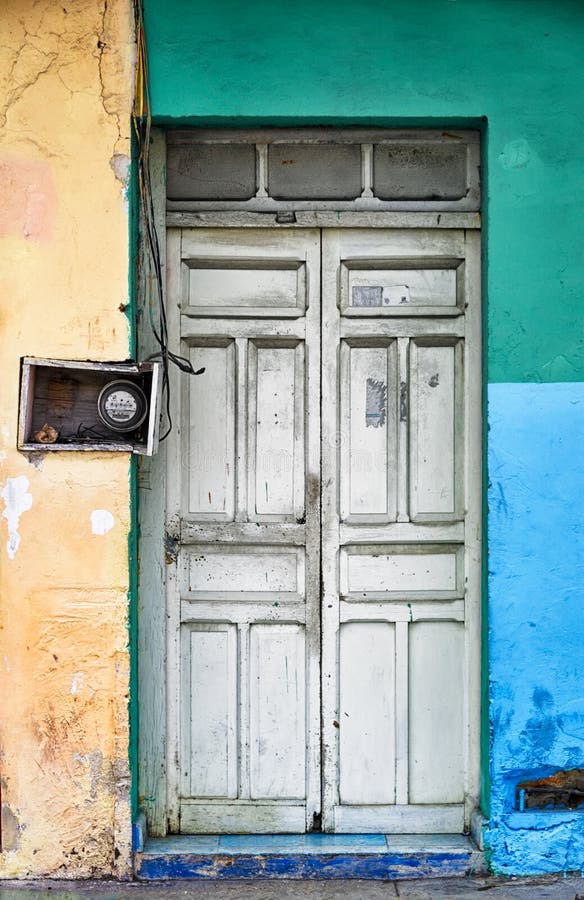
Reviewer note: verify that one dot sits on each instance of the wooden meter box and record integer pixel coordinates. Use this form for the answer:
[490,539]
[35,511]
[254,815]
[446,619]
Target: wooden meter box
[71,405]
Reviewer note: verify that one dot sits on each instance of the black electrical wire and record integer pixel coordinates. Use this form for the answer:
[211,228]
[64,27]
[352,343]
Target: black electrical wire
[142,121]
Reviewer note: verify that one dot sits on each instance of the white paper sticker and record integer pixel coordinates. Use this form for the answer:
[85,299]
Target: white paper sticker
[396,295]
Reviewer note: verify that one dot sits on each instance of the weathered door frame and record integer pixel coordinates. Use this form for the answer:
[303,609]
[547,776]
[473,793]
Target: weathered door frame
[157,550]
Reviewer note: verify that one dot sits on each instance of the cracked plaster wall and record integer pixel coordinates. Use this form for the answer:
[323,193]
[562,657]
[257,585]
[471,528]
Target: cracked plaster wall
[65,100]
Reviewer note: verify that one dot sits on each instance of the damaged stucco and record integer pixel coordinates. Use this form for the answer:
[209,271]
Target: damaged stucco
[65,100]
[17,500]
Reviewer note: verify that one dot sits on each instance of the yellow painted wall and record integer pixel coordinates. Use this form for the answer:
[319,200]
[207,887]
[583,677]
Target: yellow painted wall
[65,100]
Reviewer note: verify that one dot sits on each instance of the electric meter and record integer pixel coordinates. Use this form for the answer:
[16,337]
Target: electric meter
[122,405]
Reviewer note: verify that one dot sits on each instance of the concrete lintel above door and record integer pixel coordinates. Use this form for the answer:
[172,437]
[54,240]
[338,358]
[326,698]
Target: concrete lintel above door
[333,218]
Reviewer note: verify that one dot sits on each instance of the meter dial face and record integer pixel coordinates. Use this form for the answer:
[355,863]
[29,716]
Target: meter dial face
[122,405]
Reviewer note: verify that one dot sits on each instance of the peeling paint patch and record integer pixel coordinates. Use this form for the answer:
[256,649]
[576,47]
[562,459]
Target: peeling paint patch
[102,521]
[10,829]
[77,682]
[564,789]
[120,166]
[94,764]
[17,500]
[36,459]
[375,403]
[515,155]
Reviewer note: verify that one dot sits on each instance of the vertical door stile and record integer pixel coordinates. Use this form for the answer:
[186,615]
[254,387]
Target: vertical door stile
[332,444]
[174,502]
[473,535]
[312,517]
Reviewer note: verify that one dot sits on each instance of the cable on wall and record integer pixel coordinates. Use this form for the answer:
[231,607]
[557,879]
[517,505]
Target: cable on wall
[142,122]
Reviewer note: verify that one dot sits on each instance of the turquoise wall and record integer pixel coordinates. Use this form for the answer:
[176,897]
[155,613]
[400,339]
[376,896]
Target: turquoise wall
[513,68]
[517,62]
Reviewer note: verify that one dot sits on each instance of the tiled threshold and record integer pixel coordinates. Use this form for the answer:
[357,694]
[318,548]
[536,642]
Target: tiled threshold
[309,856]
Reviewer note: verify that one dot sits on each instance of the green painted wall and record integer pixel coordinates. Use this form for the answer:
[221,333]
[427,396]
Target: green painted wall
[430,62]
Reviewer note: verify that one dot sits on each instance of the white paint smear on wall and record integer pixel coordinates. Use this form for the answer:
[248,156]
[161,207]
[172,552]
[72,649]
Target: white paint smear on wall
[102,521]
[17,500]
[77,682]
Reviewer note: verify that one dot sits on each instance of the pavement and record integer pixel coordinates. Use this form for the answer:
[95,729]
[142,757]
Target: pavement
[556,887]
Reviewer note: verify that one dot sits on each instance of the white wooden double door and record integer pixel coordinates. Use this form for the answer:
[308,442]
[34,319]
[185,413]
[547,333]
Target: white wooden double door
[324,493]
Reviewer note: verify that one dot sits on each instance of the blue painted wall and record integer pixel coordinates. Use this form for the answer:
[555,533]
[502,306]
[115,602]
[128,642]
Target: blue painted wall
[536,621]
[437,63]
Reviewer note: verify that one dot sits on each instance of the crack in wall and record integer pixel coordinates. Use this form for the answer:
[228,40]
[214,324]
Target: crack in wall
[106,96]
[13,96]
[39,51]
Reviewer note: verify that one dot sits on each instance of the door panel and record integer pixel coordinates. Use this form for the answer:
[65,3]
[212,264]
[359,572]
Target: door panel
[209,733]
[246,519]
[436,758]
[367,702]
[277,712]
[276,438]
[401,485]
[436,419]
[369,428]
[210,465]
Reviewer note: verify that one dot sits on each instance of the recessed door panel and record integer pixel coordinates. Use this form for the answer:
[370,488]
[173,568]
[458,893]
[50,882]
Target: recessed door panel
[278,712]
[210,453]
[436,427]
[368,433]
[238,286]
[276,435]
[367,713]
[388,290]
[436,691]
[209,751]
